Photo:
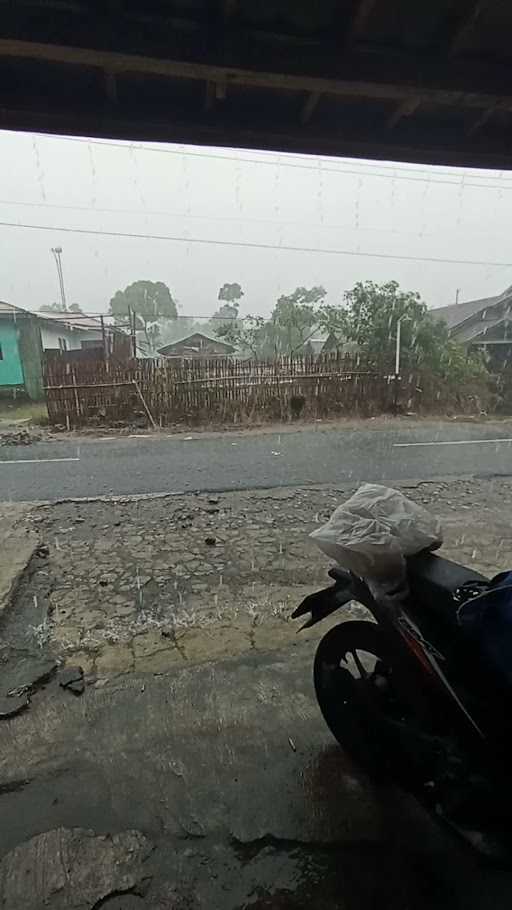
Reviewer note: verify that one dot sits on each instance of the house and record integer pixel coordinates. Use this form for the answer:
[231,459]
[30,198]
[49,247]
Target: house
[81,337]
[484,324]
[20,352]
[70,331]
[197,345]
[26,336]
[321,343]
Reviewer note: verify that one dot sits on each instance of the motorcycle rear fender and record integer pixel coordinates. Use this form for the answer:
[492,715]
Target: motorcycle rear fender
[324,602]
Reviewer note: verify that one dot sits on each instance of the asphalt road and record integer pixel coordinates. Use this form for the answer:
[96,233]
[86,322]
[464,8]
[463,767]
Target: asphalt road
[161,464]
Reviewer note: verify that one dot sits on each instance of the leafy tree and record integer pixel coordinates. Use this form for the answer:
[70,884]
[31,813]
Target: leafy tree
[293,321]
[370,318]
[151,301]
[227,311]
[51,308]
[231,293]
[227,314]
[59,308]
[248,335]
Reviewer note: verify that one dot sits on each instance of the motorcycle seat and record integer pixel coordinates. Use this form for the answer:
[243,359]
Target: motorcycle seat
[433,580]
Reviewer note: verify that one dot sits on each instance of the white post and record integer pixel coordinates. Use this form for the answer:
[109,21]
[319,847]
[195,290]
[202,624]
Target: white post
[397,348]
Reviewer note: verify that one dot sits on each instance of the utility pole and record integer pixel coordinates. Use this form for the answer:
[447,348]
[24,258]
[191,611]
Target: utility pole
[398,342]
[57,253]
[397,346]
[131,320]
[104,340]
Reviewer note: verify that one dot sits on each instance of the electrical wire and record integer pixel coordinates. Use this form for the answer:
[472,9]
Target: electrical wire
[395,170]
[255,245]
[243,219]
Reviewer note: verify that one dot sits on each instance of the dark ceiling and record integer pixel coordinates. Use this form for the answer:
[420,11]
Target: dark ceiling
[416,80]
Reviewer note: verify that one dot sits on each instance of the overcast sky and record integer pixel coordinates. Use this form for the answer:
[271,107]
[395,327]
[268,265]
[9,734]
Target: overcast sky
[266,201]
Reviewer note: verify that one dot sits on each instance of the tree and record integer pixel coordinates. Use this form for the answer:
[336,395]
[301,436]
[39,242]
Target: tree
[59,308]
[293,321]
[51,308]
[231,293]
[150,301]
[370,318]
[225,315]
[228,312]
[248,335]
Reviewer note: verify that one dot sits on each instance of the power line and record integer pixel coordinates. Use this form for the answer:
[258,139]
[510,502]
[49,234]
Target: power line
[187,215]
[394,170]
[59,316]
[258,246]
[227,218]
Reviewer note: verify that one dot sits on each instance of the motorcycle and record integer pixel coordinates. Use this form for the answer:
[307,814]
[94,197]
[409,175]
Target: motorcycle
[413,698]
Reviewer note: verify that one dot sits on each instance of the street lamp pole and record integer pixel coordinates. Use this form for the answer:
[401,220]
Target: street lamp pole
[397,346]
[57,253]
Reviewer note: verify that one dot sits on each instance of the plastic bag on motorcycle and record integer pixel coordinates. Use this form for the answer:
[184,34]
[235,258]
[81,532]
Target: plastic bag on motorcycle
[373,532]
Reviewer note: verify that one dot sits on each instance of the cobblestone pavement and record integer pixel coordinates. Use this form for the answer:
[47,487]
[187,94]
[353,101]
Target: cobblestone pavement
[158,583]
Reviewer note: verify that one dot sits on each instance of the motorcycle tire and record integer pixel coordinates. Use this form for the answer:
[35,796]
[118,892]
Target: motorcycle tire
[348,707]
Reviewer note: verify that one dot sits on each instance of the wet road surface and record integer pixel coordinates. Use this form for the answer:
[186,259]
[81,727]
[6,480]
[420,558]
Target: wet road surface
[162,464]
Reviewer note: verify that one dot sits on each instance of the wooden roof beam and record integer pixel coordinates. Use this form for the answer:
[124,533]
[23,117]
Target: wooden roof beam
[480,121]
[229,8]
[469,19]
[209,96]
[367,141]
[309,106]
[405,109]
[362,12]
[214,91]
[483,118]
[121,63]
[111,86]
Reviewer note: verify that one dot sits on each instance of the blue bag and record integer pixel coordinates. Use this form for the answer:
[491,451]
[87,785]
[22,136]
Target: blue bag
[487,620]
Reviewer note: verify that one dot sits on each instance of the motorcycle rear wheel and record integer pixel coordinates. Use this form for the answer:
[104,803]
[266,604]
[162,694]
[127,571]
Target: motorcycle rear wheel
[374,727]
[351,671]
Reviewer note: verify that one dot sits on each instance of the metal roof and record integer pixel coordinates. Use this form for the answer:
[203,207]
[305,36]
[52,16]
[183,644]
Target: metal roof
[192,335]
[7,309]
[456,313]
[70,320]
[481,328]
[425,80]
[74,320]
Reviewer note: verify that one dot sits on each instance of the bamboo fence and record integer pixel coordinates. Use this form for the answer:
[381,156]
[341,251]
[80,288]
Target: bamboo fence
[236,392]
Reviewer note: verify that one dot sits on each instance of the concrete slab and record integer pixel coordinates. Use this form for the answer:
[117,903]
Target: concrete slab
[200,761]
[17,546]
[72,869]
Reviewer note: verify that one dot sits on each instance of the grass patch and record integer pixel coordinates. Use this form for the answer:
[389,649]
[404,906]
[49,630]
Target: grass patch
[34,411]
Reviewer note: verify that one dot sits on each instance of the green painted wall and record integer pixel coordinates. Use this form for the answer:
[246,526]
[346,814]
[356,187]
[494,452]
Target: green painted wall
[31,356]
[11,369]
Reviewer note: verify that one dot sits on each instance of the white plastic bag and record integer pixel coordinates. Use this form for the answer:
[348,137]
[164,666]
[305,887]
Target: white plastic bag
[375,529]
